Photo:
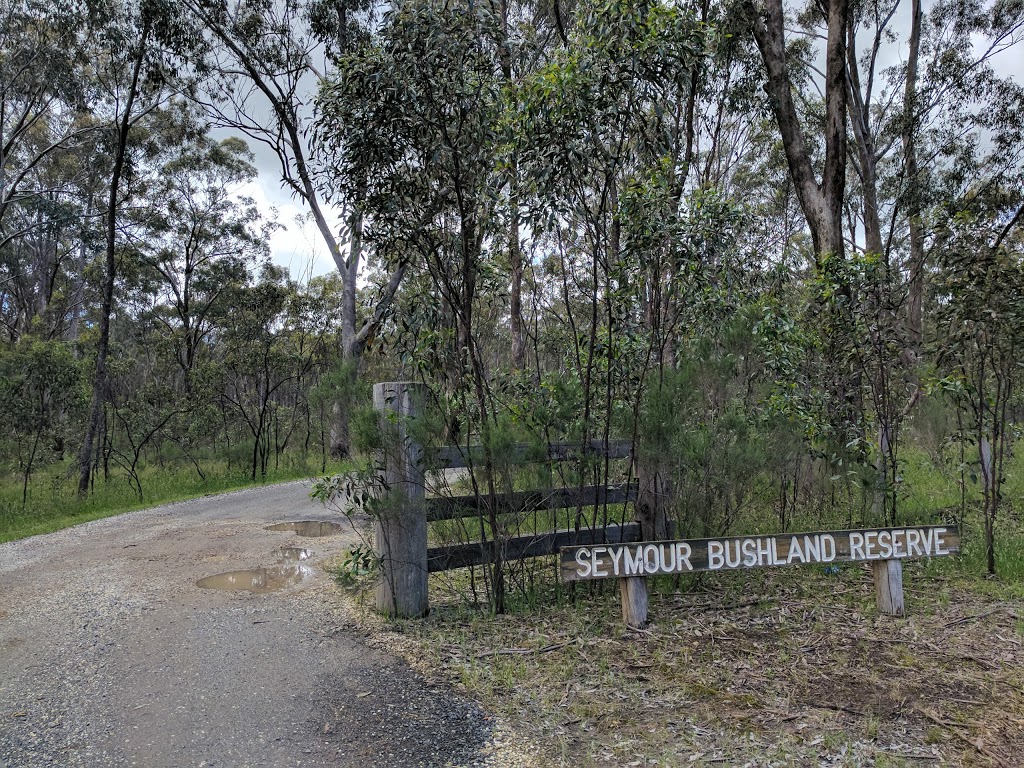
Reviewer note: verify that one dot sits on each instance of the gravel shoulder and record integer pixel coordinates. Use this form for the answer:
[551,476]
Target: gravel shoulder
[111,655]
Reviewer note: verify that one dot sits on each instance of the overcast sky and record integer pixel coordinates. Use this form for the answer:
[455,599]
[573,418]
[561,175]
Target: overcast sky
[297,245]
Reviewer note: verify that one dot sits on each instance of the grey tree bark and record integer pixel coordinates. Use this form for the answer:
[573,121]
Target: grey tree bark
[99,387]
[822,203]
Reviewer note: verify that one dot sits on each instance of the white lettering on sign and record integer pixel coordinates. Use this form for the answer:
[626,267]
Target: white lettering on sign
[812,548]
[633,562]
[795,553]
[857,546]
[776,560]
[870,540]
[616,555]
[652,562]
[683,552]
[764,551]
[597,561]
[899,544]
[583,562]
[828,554]
[914,543]
[885,544]
[749,552]
[715,557]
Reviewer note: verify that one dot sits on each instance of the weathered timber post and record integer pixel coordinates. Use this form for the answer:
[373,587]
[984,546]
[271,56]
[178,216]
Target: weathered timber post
[633,593]
[889,587]
[652,507]
[400,532]
[653,502]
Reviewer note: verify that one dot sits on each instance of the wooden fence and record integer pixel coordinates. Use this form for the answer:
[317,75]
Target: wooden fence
[593,551]
[401,535]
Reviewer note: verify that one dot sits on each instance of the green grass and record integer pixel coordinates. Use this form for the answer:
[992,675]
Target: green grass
[53,504]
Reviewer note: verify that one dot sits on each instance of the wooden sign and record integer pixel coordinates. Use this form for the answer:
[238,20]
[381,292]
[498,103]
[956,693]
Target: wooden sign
[604,561]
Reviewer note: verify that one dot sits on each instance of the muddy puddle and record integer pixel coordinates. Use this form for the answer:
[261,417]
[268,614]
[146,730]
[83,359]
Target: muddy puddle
[311,528]
[258,580]
[292,554]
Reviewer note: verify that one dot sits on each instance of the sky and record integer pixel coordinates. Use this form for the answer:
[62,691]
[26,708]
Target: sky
[297,244]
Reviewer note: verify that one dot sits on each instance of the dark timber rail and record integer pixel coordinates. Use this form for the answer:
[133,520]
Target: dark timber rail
[531,545]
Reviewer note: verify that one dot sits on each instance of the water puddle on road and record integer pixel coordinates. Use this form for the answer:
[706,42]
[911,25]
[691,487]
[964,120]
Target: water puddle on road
[258,580]
[292,554]
[311,528]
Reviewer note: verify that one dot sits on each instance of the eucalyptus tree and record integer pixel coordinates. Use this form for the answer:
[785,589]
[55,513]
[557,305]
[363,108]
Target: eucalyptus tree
[822,201]
[44,93]
[273,338]
[980,335]
[187,240]
[265,61]
[135,48]
[40,384]
[802,118]
[525,36]
[42,268]
[602,143]
[48,164]
[413,120]
[197,237]
[919,133]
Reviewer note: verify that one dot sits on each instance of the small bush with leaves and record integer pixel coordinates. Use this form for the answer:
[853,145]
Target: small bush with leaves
[351,492]
[360,561]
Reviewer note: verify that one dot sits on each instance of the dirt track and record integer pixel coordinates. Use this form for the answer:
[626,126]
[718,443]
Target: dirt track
[111,655]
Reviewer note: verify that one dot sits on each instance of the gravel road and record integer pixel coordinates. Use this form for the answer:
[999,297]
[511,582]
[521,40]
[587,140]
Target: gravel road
[111,655]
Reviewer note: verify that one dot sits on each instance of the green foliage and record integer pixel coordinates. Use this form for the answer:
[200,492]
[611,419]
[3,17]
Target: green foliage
[571,118]
[700,422]
[411,120]
[40,387]
[358,562]
[983,320]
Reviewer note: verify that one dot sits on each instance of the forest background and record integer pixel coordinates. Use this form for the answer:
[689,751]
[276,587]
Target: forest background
[776,247]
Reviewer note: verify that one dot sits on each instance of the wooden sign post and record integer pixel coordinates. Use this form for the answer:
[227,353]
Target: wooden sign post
[400,537]
[885,548]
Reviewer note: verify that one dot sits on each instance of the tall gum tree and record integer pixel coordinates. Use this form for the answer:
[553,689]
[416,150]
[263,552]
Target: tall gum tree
[43,95]
[265,60]
[411,120]
[198,238]
[594,125]
[821,201]
[136,50]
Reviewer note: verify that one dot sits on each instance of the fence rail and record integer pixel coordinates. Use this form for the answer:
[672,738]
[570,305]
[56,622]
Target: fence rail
[461,456]
[401,539]
[455,507]
[523,547]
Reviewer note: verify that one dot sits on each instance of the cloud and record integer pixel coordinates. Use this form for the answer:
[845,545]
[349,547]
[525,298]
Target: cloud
[296,244]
